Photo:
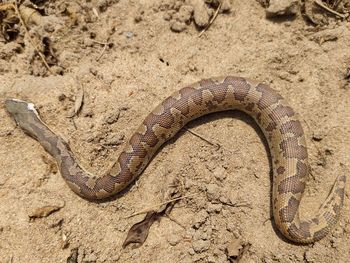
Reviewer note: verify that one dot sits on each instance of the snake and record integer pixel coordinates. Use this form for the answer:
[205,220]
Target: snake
[277,120]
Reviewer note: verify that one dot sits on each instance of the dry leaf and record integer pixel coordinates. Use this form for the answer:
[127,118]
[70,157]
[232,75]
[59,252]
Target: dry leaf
[44,211]
[139,232]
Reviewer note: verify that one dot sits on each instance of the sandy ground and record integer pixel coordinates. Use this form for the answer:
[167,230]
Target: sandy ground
[127,58]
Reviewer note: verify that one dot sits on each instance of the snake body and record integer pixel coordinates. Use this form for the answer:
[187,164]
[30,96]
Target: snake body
[276,119]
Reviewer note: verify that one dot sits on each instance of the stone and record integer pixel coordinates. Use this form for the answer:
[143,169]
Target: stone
[282,8]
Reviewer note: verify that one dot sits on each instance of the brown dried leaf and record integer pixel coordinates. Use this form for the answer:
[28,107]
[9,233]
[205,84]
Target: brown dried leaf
[44,211]
[138,233]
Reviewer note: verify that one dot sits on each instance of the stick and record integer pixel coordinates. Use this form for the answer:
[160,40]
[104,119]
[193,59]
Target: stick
[336,3]
[100,42]
[218,146]
[105,44]
[211,20]
[329,9]
[102,52]
[30,39]
[158,205]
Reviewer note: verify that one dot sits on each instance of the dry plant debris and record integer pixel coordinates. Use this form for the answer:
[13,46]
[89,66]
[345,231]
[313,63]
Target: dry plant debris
[45,211]
[13,15]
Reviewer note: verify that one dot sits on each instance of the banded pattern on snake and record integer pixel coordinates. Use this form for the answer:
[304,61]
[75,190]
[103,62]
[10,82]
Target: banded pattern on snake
[276,119]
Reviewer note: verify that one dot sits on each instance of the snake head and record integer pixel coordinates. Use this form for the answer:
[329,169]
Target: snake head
[23,112]
[18,107]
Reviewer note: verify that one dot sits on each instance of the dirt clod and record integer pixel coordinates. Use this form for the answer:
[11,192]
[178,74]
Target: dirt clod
[282,8]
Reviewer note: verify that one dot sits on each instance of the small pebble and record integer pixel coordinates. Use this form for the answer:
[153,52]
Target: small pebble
[57,70]
[201,15]
[231,227]
[347,228]
[49,28]
[113,117]
[88,112]
[64,241]
[220,173]
[191,251]
[102,5]
[139,16]
[213,192]
[62,97]
[168,16]
[184,14]
[317,137]
[282,8]
[177,26]
[88,42]
[129,34]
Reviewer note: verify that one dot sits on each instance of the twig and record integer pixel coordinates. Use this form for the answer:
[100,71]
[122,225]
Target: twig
[237,204]
[151,208]
[30,39]
[336,3]
[211,20]
[268,219]
[101,43]
[102,52]
[319,2]
[174,220]
[218,146]
[94,10]
[105,44]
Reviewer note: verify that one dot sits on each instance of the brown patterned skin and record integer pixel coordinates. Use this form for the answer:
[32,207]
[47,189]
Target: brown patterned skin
[276,119]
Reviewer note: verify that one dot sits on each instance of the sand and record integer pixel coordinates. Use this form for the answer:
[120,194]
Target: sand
[127,58]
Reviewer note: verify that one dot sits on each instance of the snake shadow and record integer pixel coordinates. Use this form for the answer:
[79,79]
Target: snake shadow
[235,114]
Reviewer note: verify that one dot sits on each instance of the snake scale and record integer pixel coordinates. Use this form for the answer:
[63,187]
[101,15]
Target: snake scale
[277,120]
